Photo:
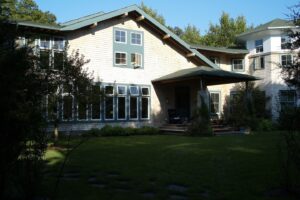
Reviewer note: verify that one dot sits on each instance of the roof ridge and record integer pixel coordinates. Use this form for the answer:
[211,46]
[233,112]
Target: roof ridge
[83,18]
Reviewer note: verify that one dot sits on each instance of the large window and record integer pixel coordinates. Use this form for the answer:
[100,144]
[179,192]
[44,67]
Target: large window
[286,60]
[136,38]
[259,46]
[82,108]
[287,98]
[120,58]
[136,59]
[121,102]
[286,42]
[67,107]
[44,59]
[58,43]
[120,36]
[237,64]
[215,102]
[109,102]
[145,103]
[133,107]
[45,43]
[95,103]
[258,63]
[58,60]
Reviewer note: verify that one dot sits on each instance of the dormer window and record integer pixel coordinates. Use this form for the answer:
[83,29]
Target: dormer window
[286,42]
[259,46]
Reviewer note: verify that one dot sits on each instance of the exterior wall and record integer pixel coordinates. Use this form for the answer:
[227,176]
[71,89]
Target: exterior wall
[159,59]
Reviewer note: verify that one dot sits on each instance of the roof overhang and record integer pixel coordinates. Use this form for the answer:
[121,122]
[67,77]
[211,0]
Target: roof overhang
[225,50]
[209,75]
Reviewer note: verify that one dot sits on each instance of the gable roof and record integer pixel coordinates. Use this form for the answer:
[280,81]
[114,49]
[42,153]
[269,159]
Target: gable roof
[220,49]
[99,17]
[274,24]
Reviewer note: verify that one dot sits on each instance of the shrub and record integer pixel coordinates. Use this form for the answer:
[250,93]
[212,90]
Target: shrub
[200,124]
[264,125]
[289,119]
[108,130]
[147,130]
[94,132]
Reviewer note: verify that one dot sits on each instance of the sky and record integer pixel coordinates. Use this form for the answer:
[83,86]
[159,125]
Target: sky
[177,12]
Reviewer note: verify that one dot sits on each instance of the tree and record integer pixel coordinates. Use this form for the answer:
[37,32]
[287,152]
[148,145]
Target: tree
[153,13]
[191,35]
[224,34]
[27,10]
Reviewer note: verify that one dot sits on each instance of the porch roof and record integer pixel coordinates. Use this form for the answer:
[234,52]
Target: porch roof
[209,75]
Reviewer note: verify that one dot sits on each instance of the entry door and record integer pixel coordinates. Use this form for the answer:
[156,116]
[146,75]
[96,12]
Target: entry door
[182,101]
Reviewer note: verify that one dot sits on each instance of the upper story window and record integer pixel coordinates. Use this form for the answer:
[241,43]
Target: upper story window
[215,60]
[259,46]
[120,36]
[286,42]
[136,60]
[136,38]
[259,63]
[58,43]
[45,43]
[237,64]
[120,58]
[286,60]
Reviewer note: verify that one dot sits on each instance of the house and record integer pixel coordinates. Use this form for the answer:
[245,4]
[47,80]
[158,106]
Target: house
[147,73]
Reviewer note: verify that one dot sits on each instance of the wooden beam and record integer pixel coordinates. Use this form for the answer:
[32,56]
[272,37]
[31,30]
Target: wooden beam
[190,54]
[124,15]
[140,18]
[166,36]
[94,25]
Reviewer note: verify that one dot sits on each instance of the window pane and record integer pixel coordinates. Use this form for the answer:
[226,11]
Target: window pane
[145,107]
[58,60]
[44,59]
[134,90]
[45,43]
[238,64]
[109,108]
[145,91]
[82,108]
[133,108]
[262,62]
[52,107]
[121,107]
[67,107]
[109,90]
[121,90]
[136,38]
[96,109]
[136,59]
[121,58]
[58,44]
[214,102]
[120,36]
[287,98]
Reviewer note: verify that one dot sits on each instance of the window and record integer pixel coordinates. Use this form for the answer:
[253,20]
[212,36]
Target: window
[134,90]
[120,36]
[237,65]
[234,100]
[215,102]
[109,102]
[287,98]
[286,60]
[133,107]
[121,102]
[52,108]
[145,103]
[58,43]
[58,60]
[120,58]
[45,43]
[286,42]
[44,59]
[258,63]
[136,60]
[82,108]
[136,38]
[96,103]
[67,107]
[259,46]
[215,60]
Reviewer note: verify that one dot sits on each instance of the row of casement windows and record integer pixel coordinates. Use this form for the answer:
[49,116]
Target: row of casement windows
[120,102]
[285,44]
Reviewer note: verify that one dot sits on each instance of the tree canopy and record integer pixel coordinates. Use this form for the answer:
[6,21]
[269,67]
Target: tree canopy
[27,10]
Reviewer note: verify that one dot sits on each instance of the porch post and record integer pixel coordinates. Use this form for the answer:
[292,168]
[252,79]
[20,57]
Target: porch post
[203,95]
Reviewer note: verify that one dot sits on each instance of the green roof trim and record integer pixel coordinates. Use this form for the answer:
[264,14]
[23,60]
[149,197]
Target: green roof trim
[274,24]
[220,49]
[98,17]
[38,25]
[207,73]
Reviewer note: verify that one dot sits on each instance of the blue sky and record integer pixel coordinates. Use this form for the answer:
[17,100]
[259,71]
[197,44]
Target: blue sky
[177,12]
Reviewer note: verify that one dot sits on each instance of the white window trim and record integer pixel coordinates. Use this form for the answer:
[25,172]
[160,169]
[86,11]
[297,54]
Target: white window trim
[240,70]
[137,107]
[115,58]
[292,58]
[262,45]
[122,96]
[148,108]
[62,107]
[116,37]
[136,95]
[141,60]
[217,92]
[141,38]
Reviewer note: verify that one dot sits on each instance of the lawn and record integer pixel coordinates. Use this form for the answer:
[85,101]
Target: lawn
[167,167]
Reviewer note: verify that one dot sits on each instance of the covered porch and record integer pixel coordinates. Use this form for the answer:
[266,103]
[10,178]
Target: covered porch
[180,93]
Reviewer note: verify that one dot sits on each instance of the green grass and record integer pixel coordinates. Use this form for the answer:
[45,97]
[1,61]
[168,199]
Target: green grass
[227,167]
